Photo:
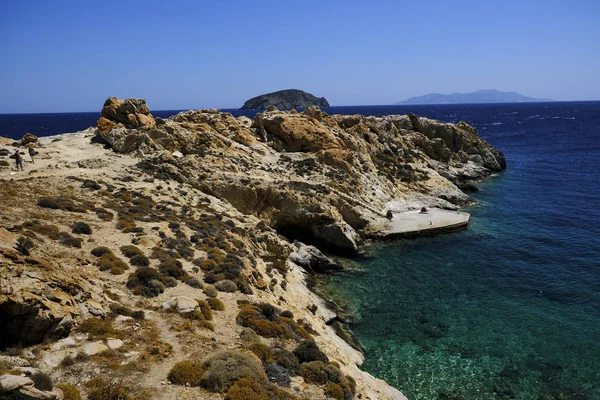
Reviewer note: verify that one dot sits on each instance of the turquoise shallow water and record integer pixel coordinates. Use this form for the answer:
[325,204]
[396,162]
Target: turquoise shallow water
[510,307]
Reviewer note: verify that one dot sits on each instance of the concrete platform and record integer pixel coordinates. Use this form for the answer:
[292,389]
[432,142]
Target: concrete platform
[415,223]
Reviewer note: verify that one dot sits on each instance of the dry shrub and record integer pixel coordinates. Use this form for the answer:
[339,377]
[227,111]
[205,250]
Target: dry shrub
[335,391]
[101,250]
[71,241]
[70,391]
[42,381]
[112,263]
[246,389]
[101,389]
[263,352]
[226,367]
[215,304]
[205,309]
[206,325]
[98,329]
[249,389]
[320,373]
[82,228]
[51,231]
[186,373]
[146,281]
[62,203]
[265,320]
[130,251]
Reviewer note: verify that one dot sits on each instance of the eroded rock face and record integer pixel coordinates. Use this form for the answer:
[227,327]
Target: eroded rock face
[36,305]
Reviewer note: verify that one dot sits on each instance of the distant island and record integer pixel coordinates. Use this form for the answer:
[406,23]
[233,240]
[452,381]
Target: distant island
[284,99]
[479,96]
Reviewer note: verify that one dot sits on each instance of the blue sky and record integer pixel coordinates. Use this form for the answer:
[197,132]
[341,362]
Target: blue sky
[71,55]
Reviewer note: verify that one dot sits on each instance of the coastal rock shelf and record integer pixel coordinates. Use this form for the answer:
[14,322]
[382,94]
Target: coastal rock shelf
[413,224]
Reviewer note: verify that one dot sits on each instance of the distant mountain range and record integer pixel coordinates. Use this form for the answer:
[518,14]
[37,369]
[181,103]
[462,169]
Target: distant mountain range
[480,96]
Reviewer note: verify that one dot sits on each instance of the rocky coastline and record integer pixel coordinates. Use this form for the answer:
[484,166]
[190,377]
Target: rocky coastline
[149,255]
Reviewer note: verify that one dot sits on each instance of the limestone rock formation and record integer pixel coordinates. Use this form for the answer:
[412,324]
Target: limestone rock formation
[129,113]
[319,178]
[284,100]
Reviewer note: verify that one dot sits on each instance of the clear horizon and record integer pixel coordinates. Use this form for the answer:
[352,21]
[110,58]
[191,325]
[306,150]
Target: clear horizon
[71,56]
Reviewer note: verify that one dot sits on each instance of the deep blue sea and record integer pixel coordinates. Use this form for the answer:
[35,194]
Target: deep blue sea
[506,309]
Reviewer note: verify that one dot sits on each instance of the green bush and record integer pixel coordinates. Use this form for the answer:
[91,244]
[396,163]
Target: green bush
[139,260]
[308,351]
[226,367]
[186,372]
[195,283]
[146,281]
[82,228]
[172,267]
[287,359]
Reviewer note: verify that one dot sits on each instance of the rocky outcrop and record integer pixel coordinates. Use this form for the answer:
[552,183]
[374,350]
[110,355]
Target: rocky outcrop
[38,301]
[312,259]
[314,177]
[28,138]
[284,100]
[130,114]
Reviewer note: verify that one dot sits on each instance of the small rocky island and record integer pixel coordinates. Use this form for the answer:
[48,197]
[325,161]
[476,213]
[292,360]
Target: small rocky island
[170,258]
[285,100]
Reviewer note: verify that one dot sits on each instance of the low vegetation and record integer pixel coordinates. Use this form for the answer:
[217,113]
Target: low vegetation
[266,320]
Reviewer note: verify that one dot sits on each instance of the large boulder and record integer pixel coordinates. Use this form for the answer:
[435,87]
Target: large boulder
[17,387]
[312,259]
[29,138]
[129,113]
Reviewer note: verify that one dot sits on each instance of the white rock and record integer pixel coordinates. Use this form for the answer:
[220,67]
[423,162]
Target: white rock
[91,348]
[177,154]
[12,382]
[181,304]
[114,343]
[62,343]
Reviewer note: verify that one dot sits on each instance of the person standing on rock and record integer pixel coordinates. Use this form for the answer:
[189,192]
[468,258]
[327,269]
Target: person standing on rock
[19,160]
[32,152]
